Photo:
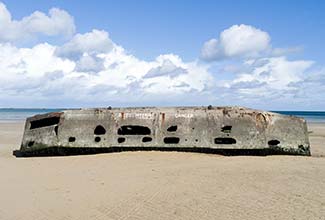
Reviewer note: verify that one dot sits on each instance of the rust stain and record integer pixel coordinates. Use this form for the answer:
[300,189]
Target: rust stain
[47,115]
[249,113]
[58,114]
[99,110]
[261,121]
[225,112]
[162,118]
[260,118]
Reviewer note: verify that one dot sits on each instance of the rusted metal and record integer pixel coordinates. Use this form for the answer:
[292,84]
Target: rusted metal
[162,118]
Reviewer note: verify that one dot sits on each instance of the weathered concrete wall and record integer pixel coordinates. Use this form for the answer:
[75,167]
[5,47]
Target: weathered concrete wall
[226,128]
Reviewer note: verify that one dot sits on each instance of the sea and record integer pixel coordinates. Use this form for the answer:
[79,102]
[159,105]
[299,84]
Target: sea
[19,114]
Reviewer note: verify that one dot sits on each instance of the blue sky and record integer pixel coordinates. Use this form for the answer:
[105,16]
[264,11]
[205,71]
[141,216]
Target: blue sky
[149,28]
[290,34]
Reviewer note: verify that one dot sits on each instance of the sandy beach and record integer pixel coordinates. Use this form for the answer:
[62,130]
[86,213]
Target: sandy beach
[161,185]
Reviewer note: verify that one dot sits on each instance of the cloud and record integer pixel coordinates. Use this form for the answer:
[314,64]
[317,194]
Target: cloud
[90,69]
[236,41]
[211,50]
[30,62]
[85,49]
[166,68]
[57,22]
[94,73]
[91,43]
[269,79]
[88,63]
[285,51]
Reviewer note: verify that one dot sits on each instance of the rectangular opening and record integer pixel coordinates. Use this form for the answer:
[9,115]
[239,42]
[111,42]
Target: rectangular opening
[45,122]
[224,140]
[171,140]
[133,130]
[146,139]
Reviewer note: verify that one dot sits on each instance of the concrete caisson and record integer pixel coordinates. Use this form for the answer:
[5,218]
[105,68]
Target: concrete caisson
[227,130]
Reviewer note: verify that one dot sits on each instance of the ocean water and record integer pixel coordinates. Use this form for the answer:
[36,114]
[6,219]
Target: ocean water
[310,116]
[18,114]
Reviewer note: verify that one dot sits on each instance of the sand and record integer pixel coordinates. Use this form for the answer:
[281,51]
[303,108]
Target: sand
[161,185]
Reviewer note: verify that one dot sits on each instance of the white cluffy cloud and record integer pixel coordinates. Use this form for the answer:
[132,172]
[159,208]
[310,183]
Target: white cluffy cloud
[57,22]
[276,73]
[91,43]
[236,41]
[90,69]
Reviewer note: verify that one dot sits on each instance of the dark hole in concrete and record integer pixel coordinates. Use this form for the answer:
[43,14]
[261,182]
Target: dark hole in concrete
[226,128]
[99,130]
[97,139]
[146,139]
[172,128]
[133,130]
[196,140]
[171,140]
[31,143]
[120,139]
[273,142]
[225,140]
[72,139]
[56,128]
[44,122]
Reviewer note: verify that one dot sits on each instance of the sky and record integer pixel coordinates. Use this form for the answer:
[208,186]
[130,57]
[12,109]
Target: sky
[259,54]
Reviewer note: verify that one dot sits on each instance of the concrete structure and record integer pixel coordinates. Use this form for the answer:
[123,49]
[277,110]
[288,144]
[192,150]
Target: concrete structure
[226,130]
